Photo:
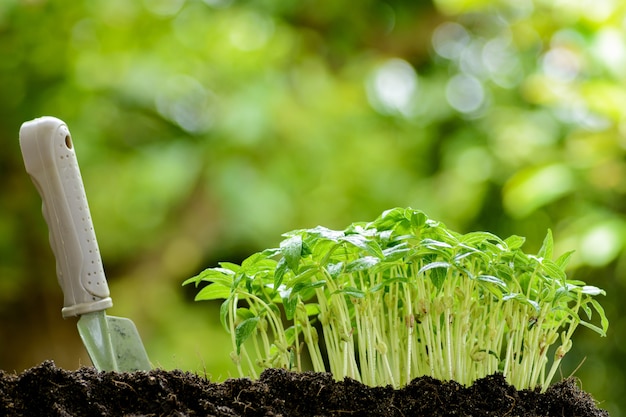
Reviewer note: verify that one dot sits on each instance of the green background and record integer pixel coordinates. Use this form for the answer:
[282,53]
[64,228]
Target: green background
[205,129]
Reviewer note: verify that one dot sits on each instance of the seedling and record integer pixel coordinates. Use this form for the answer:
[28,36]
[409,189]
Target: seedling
[402,297]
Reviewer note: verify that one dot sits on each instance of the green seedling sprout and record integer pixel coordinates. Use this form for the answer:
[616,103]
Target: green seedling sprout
[402,297]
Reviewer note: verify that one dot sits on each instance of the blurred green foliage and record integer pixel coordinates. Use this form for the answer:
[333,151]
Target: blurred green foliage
[205,129]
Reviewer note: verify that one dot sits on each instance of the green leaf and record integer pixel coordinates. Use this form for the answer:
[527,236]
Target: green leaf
[305,275]
[504,272]
[432,243]
[363,243]
[229,266]
[546,248]
[290,334]
[251,262]
[270,253]
[305,291]
[494,285]
[433,265]
[396,252]
[244,314]
[335,269]
[565,293]
[213,292]
[239,276]
[604,321]
[461,256]
[476,238]
[312,309]
[575,283]
[593,327]
[326,233]
[591,290]
[523,299]
[391,218]
[387,282]
[279,272]
[491,280]
[301,286]
[362,264]
[514,242]
[353,292]
[564,259]
[257,265]
[224,310]
[552,269]
[221,275]
[438,272]
[292,251]
[418,218]
[290,304]
[244,330]
[195,279]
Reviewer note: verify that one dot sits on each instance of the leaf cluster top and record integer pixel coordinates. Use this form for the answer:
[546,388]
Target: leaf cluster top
[439,284]
[400,237]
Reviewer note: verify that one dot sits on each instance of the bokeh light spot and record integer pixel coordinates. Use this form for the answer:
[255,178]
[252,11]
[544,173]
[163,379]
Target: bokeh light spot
[450,39]
[601,244]
[474,164]
[500,59]
[609,47]
[218,4]
[533,188]
[164,7]
[392,87]
[187,103]
[561,64]
[465,93]
[251,31]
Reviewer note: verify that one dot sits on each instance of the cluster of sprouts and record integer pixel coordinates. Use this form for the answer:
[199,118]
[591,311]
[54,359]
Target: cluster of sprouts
[400,297]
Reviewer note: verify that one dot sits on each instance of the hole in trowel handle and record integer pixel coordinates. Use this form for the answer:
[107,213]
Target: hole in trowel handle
[68,142]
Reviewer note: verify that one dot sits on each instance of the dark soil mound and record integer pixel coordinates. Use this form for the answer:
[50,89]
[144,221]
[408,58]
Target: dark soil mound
[46,390]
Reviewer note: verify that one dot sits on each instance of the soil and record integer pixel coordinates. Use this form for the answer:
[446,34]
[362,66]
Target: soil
[46,390]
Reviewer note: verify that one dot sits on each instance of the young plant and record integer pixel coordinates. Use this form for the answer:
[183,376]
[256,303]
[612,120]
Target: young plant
[402,297]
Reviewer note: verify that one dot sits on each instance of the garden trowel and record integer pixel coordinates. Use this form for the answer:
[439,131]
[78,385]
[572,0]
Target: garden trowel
[113,343]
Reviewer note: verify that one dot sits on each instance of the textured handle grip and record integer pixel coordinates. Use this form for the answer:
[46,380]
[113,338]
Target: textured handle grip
[51,162]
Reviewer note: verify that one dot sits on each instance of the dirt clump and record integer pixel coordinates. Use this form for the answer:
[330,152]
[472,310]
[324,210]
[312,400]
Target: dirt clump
[46,390]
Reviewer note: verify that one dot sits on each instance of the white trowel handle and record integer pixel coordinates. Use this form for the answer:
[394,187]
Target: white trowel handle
[51,162]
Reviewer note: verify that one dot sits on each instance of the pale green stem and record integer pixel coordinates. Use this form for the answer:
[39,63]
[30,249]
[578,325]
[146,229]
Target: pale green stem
[297,346]
[448,343]
[277,329]
[329,335]
[566,339]
[410,326]
[362,345]
[426,325]
[394,338]
[510,341]
[244,353]
[231,324]
[313,345]
[365,325]
[266,344]
[391,379]
[275,322]
[262,352]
